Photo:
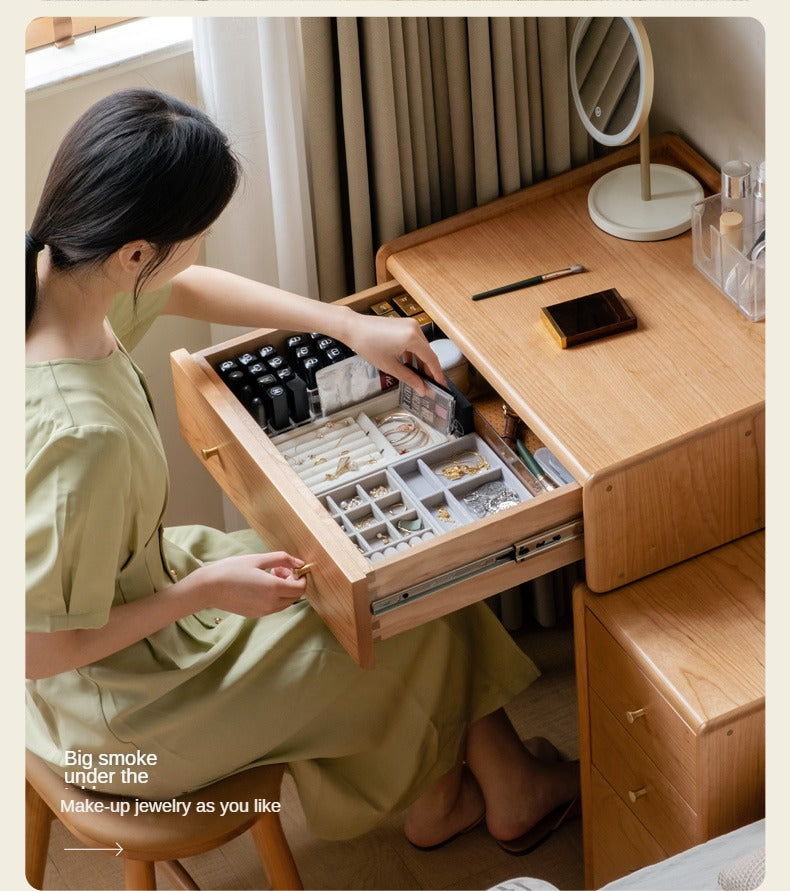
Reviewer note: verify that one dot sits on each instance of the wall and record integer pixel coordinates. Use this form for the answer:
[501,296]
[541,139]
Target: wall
[710,84]
[718,108]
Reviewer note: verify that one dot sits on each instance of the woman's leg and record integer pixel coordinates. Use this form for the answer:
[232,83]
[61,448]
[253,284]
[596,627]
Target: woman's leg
[513,783]
[454,803]
[518,787]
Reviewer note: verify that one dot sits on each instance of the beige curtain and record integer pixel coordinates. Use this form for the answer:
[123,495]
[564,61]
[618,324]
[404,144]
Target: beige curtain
[410,120]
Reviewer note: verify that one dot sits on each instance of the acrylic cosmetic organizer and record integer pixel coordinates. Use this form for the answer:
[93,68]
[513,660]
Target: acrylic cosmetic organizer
[731,263]
[418,497]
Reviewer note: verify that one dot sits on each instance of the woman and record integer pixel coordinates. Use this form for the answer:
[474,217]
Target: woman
[191,646]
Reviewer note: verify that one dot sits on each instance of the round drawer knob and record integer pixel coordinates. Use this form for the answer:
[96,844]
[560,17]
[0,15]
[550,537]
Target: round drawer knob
[636,713]
[305,569]
[209,453]
[634,794]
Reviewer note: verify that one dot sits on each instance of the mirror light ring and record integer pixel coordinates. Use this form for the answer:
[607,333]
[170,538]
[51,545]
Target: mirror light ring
[645,98]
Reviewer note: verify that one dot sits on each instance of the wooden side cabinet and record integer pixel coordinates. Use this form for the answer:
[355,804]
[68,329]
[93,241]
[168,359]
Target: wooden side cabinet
[671,688]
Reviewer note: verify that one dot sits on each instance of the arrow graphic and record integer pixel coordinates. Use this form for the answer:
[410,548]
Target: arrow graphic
[118,849]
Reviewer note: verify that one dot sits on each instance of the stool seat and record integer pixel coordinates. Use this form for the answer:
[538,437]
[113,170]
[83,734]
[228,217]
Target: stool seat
[163,837]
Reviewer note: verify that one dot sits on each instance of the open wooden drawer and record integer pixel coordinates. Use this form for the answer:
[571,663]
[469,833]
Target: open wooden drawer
[363,601]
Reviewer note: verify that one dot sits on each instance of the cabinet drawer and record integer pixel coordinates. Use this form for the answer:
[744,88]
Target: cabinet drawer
[360,600]
[620,843]
[640,709]
[638,782]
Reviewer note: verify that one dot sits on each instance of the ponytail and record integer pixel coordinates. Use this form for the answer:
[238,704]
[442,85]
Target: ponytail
[33,248]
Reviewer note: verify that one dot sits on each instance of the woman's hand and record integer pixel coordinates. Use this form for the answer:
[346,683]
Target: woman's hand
[201,292]
[251,585]
[391,344]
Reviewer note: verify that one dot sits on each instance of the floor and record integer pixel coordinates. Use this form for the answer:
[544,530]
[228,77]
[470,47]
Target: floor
[383,859]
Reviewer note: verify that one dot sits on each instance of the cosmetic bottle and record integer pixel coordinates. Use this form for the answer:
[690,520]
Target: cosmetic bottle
[301,353]
[256,370]
[284,375]
[292,345]
[736,191]
[298,403]
[225,368]
[236,379]
[759,194]
[267,351]
[276,403]
[309,368]
[265,381]
[731,228]
[257,409]
[246,359]
[275,363]
[334,354]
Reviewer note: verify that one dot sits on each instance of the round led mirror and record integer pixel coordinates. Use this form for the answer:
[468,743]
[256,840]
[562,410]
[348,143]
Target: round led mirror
[611,72]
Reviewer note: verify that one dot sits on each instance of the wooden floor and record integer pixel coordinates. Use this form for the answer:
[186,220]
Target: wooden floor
[383,859]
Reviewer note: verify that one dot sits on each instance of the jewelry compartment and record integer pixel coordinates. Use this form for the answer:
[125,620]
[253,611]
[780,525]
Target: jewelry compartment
[433,546]
[353,442]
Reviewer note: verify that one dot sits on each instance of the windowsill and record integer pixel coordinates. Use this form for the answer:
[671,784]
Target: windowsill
[133,43]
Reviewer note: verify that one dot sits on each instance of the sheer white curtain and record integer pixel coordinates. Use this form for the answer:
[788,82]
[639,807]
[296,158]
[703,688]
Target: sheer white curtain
[248,80]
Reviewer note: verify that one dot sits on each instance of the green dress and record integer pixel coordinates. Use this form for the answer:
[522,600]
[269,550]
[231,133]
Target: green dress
[214,693]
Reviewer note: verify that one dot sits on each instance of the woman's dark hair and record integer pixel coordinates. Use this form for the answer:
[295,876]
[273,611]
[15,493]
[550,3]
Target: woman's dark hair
[138,164]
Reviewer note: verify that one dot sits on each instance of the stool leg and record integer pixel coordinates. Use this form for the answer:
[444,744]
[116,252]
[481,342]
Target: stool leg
[139,875]
[178,875]
[38,819]
[275,854]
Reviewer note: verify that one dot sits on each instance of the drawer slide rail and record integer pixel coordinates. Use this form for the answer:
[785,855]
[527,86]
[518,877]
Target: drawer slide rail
[515,553]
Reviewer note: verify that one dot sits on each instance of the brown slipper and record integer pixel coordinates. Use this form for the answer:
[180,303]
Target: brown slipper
[453,837]
[542,830]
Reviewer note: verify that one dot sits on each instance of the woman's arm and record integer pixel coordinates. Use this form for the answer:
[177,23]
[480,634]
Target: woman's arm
[250,585]
[201,292]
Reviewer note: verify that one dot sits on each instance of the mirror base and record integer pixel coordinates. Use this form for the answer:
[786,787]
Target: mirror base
[616,206]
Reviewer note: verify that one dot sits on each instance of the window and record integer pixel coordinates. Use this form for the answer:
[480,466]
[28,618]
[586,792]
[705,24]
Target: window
[94,47]
[48,31]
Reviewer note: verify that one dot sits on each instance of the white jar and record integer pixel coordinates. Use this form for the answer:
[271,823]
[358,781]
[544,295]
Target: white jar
[453,362]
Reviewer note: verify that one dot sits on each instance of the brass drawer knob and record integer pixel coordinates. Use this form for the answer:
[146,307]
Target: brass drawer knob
[634,794]
[303,570]
[636,713]
[209,453]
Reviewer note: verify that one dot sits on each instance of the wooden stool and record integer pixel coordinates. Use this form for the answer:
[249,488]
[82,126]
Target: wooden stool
[164,838]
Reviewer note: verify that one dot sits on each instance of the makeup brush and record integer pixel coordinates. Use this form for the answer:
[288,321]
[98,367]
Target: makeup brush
[528,282]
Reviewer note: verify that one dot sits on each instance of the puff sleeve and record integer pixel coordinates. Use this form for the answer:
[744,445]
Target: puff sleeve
[77,487]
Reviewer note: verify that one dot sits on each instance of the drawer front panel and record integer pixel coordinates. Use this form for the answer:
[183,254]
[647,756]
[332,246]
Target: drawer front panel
[620,844]
[234,454]
[640,709]
[641,786]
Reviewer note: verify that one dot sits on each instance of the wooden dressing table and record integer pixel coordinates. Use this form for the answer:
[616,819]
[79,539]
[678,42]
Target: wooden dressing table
[662,428]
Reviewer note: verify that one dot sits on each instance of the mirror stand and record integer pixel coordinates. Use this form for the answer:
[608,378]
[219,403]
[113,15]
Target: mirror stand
[611,68]
[644,161]
[644,202]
